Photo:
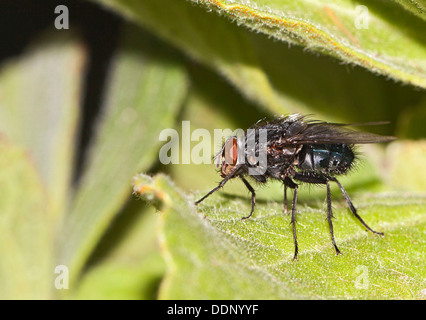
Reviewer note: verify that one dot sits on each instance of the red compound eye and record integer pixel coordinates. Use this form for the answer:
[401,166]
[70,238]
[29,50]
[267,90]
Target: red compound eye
[231,151]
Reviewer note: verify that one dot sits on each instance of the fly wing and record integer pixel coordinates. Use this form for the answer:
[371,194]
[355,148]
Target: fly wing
[359,124]
[328,133]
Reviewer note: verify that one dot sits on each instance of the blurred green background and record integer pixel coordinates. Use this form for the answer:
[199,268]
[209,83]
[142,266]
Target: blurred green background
[81,110]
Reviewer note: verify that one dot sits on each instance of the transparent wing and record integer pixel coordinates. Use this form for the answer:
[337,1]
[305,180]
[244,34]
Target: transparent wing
[329,133]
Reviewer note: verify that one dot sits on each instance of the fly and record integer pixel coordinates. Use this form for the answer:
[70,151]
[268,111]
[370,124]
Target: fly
[297,150]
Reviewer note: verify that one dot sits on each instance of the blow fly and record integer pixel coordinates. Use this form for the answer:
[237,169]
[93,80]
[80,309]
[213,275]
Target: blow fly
[294,149]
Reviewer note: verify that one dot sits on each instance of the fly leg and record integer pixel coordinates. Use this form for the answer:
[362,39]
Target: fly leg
[221,184]
[322,180]
[293,222]
[352,208]
[285,199]
[289,183]
[253,198]
[329,217]
[325,179]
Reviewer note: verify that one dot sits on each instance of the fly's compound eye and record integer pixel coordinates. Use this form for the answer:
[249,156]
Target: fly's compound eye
[231,151]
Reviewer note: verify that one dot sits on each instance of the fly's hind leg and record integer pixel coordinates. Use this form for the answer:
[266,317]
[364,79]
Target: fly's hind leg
[352,208]
[329,217]
[323,179]
[289,183]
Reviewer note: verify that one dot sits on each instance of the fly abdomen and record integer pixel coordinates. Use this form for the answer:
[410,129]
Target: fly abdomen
[329,158]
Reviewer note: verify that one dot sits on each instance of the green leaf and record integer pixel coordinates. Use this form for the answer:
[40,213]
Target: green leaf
[120,281]
[144,93]
[339,28]
[190,28]
[417,7]
[284,80]
[26,228]
[126,263]
[39,108]
[214,254]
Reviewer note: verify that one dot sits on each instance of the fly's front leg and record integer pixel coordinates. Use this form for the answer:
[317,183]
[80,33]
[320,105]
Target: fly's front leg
[221,184]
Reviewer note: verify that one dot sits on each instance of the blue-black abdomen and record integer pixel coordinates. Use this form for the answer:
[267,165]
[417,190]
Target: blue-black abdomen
[328,158]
